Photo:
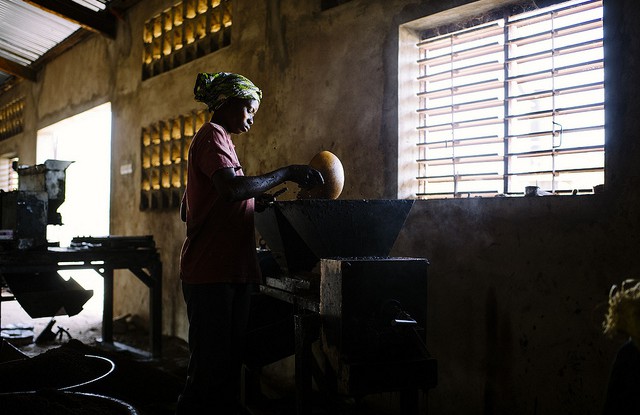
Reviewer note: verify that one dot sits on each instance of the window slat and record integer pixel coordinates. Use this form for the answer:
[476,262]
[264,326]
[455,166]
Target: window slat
[565,50]
[571,8]
[491,139]
[549,132]
[463,36]
[463,106]
[559,91]
[560,171]
[563,31]
[463,54]
[464,71]
[476,193]
[557,111]
[570,150]
[565,70]
[479,122]
[463,177]
[476,158]
[488,85]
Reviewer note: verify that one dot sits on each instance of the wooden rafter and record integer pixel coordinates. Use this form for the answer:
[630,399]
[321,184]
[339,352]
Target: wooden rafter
[16,69]
[60,48]
[102,22]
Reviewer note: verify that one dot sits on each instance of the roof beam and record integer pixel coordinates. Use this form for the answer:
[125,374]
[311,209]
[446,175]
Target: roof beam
[102,22]
[16,69]
[75,38]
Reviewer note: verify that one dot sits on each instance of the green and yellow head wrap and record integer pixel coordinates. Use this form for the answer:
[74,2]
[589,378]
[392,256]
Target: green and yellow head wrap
[213,89]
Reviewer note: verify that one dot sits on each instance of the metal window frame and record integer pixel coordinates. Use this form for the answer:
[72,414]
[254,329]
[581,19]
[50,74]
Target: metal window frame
[461,40]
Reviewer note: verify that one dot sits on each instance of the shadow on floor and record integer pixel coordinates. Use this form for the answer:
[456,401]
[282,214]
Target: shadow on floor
[150,386]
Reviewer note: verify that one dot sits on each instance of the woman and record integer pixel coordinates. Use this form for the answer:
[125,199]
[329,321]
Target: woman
[218,264]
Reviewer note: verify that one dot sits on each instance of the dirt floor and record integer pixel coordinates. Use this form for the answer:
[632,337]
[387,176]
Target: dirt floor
[151,386]
[56,350]
[57,358]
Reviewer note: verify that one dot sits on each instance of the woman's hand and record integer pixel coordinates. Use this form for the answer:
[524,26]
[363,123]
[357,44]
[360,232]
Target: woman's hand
[306,177]
[265,200]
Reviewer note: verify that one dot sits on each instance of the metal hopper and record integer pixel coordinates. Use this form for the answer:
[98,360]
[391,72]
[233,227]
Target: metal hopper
[301,232]
[49,177]
[367,309]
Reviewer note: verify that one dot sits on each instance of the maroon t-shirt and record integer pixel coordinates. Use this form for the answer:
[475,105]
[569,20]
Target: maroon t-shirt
[220,243]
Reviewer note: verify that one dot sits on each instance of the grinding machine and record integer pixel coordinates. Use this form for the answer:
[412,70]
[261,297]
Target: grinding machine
[330,259]
[24,218]
[27,211]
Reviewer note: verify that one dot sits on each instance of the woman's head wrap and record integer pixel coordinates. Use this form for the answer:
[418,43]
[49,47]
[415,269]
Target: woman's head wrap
[213,89]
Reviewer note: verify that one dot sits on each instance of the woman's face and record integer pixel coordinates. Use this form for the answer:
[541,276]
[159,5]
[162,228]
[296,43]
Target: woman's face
[236,115]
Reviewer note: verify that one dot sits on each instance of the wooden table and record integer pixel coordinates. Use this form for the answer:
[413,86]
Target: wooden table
[103,255]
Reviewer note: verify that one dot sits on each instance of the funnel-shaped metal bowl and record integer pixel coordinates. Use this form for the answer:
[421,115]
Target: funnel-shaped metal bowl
[49,177]
[337,228]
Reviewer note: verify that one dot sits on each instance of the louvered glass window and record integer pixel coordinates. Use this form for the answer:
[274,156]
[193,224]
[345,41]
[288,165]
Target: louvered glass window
[8,175]
[513,102]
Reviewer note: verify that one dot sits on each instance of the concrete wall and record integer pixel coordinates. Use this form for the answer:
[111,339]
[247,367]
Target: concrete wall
[518,287]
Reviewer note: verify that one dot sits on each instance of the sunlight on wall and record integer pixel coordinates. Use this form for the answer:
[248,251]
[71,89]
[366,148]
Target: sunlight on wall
[84,139]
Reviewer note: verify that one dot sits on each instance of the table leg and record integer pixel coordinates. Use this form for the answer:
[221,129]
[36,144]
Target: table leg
[306,332]
[107,307]
[155,310]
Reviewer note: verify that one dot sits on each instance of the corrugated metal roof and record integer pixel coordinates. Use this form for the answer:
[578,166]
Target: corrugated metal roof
[95,5]
[27,32]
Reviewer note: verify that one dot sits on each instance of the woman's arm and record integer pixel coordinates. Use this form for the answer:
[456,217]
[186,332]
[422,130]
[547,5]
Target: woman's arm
[234,188]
